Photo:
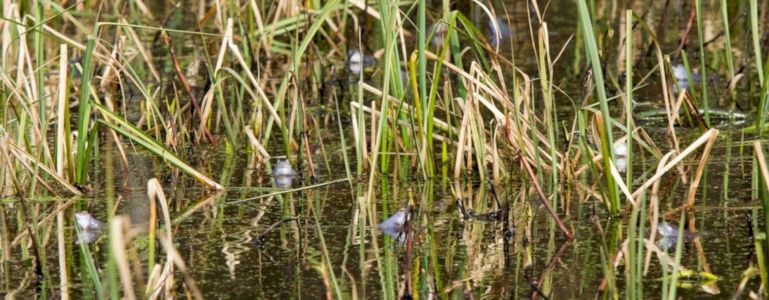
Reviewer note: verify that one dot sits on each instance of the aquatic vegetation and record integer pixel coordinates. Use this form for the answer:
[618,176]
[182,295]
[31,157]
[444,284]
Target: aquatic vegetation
[540,149]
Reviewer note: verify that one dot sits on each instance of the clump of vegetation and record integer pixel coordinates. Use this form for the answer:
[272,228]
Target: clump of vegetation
[290,103]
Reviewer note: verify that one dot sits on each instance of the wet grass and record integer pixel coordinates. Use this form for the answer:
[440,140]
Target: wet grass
[540,150]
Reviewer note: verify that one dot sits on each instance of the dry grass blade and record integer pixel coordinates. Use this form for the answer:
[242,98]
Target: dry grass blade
[155,193]
[63,277]
[236,52]
[118,229]
[256,144]
[623,188]
[700,170]
[654,210]
[761,162]
[125,128]
[705,138]
[176,258]
[26,159]
[62,140]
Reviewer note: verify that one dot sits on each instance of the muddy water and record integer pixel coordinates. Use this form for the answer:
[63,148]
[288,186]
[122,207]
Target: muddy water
[249,242]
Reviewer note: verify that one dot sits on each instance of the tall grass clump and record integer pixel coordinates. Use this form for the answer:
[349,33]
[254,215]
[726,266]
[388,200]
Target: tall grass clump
[84,110]
[604,118]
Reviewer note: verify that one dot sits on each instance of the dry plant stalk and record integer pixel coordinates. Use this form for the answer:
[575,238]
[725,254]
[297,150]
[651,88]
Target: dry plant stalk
[535,182]
[654,210]
[62,248]
[700,169]
[120,225]
[705,138]
[62,153]
[761,162]
[155,193]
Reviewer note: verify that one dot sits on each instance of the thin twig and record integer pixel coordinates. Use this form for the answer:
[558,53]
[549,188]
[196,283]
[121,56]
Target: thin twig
[187,88]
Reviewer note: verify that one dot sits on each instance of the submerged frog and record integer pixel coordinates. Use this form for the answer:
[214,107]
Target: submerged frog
[393,226]
[439,34]
[682,78]
[90,227]
[86,222]
[358,62]
[283,168]
[283,173]
[497,31]
[669,235]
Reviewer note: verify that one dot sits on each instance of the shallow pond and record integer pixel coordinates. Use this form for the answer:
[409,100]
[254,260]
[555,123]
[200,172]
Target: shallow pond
[301,237]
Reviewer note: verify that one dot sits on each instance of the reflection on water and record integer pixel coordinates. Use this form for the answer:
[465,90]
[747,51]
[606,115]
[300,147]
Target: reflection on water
[493,245]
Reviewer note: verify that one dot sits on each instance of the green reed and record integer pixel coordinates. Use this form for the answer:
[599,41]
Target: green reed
[733,95]
[672,281]
[607,139]
[703,62]
[728,41]
[629,96]
[431,103]
[391,76]
[756,44]
[545,68]
[91,270]
[761,178]
[760,190]
[40,71]
[421,57]
[84,111]
[635,232]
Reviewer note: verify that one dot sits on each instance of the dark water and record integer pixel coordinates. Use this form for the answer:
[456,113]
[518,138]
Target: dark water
[234,251]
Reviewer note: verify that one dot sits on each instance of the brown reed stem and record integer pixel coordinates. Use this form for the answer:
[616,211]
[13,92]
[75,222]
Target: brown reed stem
[187,88]
[533,177]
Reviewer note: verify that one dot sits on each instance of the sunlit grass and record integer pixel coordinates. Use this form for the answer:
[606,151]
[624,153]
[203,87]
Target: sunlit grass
[468,130]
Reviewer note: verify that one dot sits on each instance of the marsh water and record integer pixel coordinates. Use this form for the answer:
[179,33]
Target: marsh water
[471,238]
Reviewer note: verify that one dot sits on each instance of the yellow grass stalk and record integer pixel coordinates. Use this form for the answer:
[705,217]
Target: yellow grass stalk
[63,277]
[118,228]
[700,169]
[705,138]
[62,140]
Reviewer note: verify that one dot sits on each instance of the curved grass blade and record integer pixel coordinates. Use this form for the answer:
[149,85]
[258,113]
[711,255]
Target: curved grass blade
[92,271]
[122,126]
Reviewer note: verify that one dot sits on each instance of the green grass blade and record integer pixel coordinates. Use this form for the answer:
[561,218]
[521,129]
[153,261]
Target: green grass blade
[122,126]
[84,111]
[608,140]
